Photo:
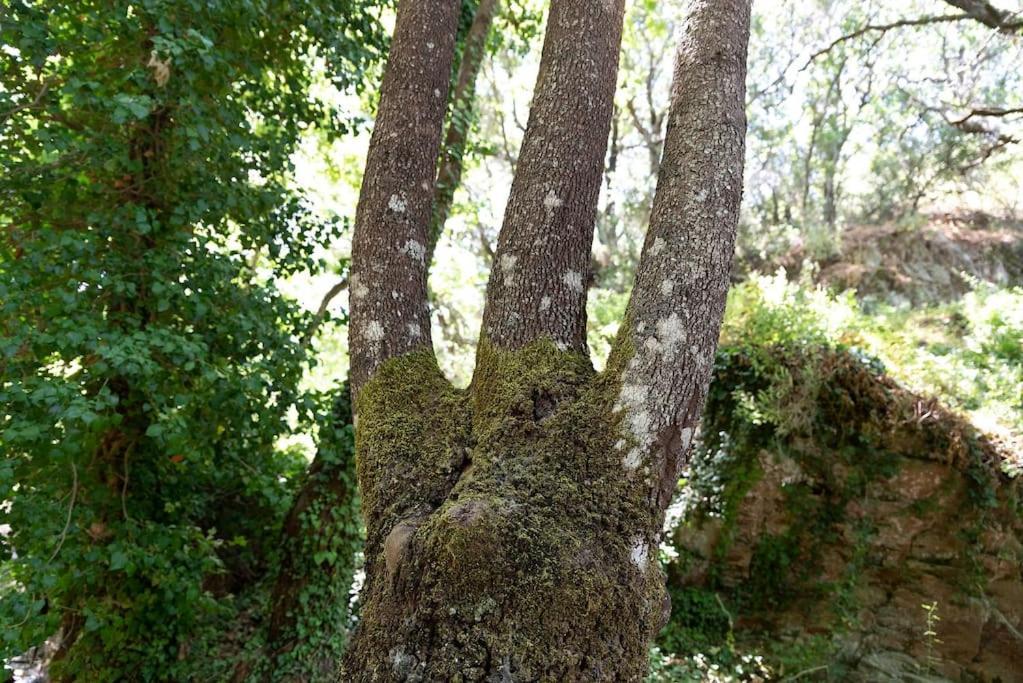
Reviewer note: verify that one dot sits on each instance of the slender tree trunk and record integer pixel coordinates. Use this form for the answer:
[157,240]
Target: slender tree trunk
[512,528]
[463,109]
[538,285]
[389,313]
[309,602]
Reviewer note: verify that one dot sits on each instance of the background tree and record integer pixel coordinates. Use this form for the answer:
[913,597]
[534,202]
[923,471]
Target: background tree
[148,361]
[506,522]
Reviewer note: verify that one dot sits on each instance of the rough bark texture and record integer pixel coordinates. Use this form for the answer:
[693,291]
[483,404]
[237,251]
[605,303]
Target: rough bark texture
[665,349]
[463,102]
[510,537]
[989,15]
[538,284]
[389,313]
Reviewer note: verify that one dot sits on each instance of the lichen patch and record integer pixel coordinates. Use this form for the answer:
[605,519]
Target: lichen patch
[397,204]
[573,280]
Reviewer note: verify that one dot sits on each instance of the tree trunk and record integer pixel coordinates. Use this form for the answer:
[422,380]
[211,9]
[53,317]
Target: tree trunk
[537,288]
[309,602]
[389,312]
[512,528]
[463,109]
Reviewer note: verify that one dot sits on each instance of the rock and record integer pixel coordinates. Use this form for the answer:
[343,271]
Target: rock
[900,538]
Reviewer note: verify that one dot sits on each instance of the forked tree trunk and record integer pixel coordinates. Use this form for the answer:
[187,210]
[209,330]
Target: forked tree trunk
[512,528]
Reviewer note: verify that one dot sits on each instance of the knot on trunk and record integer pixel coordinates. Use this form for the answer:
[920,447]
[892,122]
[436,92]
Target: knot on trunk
[397,542]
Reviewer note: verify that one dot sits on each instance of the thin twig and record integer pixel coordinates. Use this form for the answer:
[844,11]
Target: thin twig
[988,111]
[124,485]
[321,312]
[807,672]
[884,28]
[70,510]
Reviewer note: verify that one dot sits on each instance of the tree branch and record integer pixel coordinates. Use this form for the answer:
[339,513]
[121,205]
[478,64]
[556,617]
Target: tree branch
[537,285]
[389,312]
[321,312]
[989,15]
[884,28]
[994,112]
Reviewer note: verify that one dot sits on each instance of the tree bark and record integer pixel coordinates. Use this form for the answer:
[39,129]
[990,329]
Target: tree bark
[389,311]
[538,286]
[512,528]
[665,349]
[463,107]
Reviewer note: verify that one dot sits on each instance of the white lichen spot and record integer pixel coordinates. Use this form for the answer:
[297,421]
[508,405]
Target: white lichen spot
[397,204]
[551,202]
[429,46]
[394,294]
[508,262]
[632,460]
[545,304]
[436,92]
[633,401]
[652,345]
[701,196]
[573,280]
[657,247]
[359,290]
[686,435]
[413,330]
[667,287]
[640,554]
[401,662]
[415,250]
[562,346]
[671,330]
[374,331]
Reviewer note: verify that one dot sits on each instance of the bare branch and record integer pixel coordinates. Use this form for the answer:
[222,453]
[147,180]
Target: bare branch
[321,312]
[989,15]
[884,28]
[994,112]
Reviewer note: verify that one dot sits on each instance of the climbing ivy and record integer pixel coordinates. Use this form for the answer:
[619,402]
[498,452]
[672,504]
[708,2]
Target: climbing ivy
[148,361]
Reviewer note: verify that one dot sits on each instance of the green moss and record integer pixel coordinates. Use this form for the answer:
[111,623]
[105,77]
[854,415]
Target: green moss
[412,436]
[515,551]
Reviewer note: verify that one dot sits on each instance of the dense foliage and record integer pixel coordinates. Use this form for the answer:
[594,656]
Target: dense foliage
[149,365]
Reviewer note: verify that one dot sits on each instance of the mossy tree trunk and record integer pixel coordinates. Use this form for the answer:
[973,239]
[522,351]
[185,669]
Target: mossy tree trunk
[308,615]
[512,528]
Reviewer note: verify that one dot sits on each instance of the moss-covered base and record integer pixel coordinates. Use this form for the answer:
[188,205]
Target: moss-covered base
[505,540]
